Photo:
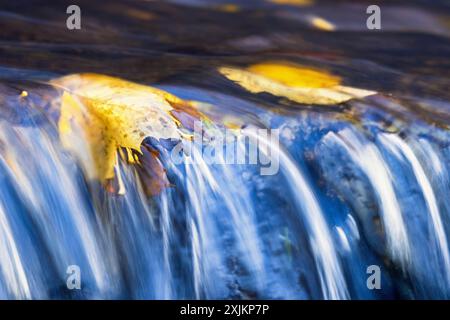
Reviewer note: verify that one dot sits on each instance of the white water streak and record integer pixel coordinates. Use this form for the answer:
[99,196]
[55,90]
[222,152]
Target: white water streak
[166,227]
[240,211]
[52,167]
[369,159]
[397,145]
[10,262]
[332,280]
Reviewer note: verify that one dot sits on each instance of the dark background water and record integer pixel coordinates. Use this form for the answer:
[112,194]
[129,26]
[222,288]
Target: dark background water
[157,41]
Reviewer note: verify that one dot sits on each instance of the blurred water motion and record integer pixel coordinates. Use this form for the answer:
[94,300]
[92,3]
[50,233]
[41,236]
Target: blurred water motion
[364,175]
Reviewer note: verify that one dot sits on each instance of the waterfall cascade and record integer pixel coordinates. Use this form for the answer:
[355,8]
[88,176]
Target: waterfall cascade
[224,230]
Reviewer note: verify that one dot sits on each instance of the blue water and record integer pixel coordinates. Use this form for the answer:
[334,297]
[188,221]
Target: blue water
[346,197]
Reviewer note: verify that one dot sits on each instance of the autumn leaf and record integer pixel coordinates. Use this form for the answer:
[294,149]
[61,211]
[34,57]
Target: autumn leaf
[297,83]
[107,114]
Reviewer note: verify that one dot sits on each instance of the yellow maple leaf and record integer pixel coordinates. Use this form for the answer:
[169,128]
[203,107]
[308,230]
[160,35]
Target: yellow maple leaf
[297,83]
[102,114]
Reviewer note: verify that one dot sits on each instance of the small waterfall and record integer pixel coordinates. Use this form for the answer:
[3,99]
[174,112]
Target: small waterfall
[48,198]
[209,207]
[327,263]
[405,153]
[399,183]
[224,230]
[336,164]
[369,160]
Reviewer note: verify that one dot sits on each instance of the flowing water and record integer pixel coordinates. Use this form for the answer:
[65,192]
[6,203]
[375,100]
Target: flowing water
[360,183]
